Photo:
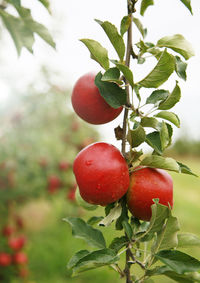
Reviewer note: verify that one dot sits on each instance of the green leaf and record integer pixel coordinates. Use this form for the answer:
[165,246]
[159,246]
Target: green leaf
[114,37]
[126,72]
[97,52]
[159,215]
[164,136]
[20,34]
[157,96]
[155,161]
[179,277]
[111,92]
[15,3]
[178,261]
[136,136]
[128,229]
[167,237]
[125,23]
[46,4]
[118,243]
[94,219]
[149,280]
[95,259]
[172,99]
[35,27]
[137,91]
[139,25]
[144,5]
[123,216]
[167,271]
[112,75]
[185,169]
[112,216]
[161,72]
[156,52]
[83,203]
[109,207]
[75,258]
[186,240]
[170,116]
[150,122]
[80,229]
[177,43]
[187,3]
[153,140]
[142,46]
[140,59]
[170,132]
[135,155]
[180,68]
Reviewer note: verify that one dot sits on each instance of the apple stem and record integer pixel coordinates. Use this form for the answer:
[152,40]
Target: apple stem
[127,267]
[129,53]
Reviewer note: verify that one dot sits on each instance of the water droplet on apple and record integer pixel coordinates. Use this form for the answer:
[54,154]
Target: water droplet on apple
[88,162]
[113,195]
[98,186]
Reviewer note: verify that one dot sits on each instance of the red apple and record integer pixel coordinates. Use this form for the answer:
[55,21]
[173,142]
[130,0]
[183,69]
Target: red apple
[5,259]
[7,231]
[54,183]
[147,184]
[19,222]
[20,258]
[89,104]
[17,243]
[71,193]
[101,173]
[63,165]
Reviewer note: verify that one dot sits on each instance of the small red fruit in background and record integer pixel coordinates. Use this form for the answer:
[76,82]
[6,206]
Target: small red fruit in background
[75,126]
[147,184]
[23,272]
[89,104]
[71,193]
[19,222]
[63,165]
[20,258]
[54,184]
[5,259]
[17,243]
[7,231]
[101,173]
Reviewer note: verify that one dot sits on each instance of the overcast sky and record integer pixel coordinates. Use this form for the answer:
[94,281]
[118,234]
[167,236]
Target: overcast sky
[73,20]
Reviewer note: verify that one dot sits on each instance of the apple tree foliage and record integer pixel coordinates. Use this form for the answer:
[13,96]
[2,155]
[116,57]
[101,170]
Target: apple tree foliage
[39,139]
[21,25]
[148,119]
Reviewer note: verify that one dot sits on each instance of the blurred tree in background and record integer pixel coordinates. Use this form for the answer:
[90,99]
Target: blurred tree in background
[40,136]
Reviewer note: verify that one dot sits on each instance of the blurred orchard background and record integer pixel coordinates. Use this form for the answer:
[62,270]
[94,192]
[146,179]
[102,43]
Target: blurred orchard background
[40,135]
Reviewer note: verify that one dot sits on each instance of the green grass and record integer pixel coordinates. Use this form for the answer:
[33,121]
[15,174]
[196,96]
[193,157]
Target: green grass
[51,244]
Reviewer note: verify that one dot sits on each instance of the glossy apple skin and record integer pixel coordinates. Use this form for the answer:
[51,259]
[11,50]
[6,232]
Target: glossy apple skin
[147,184]
[89,104]
[101,173]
